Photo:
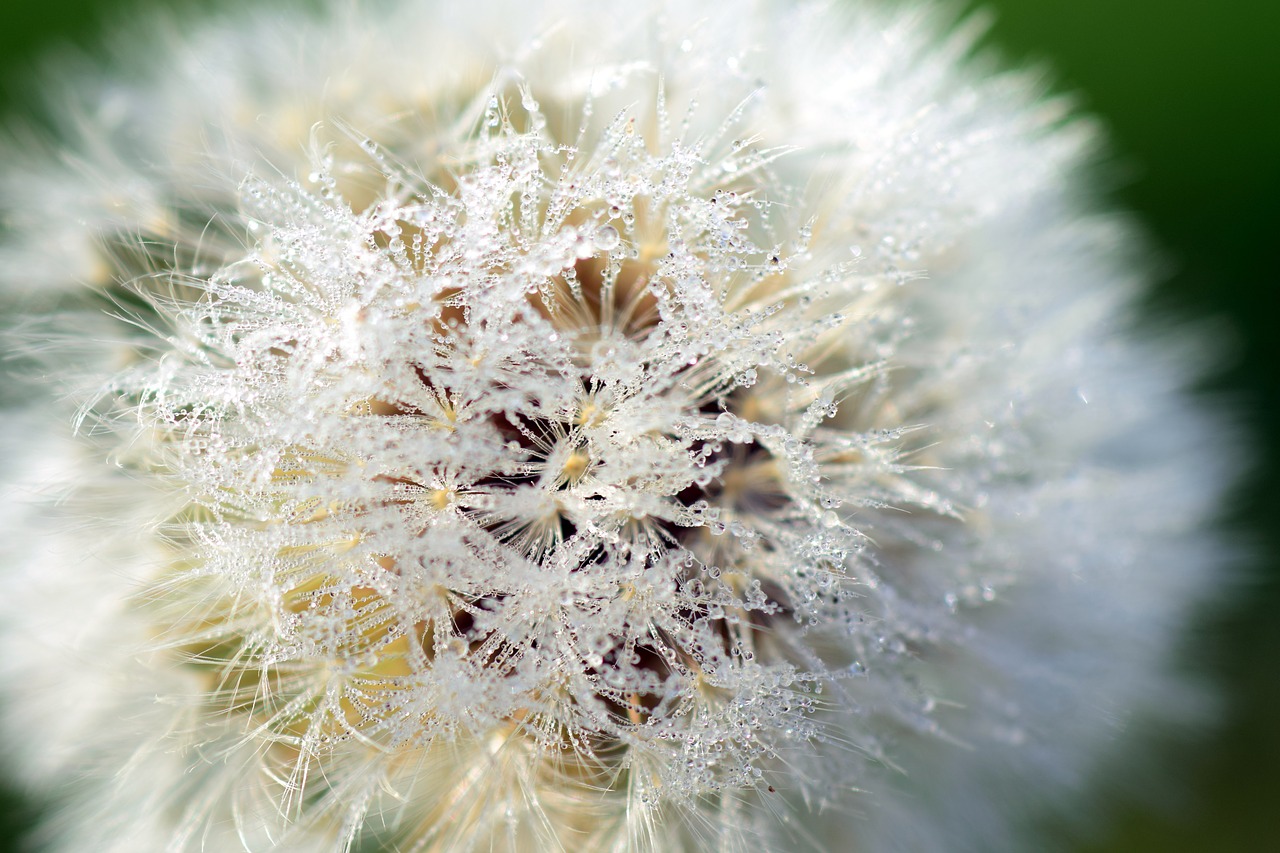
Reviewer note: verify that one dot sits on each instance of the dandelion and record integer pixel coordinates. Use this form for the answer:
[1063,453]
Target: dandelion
[540,426]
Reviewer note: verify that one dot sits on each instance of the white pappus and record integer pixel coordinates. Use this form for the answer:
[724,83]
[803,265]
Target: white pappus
[585,426]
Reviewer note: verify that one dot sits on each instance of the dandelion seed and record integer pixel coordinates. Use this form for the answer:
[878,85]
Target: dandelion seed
[576,427]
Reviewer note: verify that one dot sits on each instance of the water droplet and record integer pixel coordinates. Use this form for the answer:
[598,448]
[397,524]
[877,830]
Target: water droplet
[607,237]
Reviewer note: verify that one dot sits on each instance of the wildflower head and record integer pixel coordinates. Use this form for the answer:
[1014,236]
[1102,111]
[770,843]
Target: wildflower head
[593,429]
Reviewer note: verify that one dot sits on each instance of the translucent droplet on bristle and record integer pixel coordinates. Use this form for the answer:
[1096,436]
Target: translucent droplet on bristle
[607,237]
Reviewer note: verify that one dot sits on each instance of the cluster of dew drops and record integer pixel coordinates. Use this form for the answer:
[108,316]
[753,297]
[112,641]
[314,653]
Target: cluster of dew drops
[528,442]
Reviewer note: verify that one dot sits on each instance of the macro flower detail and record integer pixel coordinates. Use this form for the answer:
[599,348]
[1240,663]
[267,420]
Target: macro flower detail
[555,427]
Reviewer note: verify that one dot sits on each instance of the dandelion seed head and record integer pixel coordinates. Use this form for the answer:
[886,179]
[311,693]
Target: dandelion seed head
[587,428]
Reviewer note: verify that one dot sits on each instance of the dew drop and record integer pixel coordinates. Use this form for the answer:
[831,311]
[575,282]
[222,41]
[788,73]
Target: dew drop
[606,238]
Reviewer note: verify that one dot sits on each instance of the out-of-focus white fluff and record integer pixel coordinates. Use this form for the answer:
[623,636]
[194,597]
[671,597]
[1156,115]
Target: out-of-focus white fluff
[536,425]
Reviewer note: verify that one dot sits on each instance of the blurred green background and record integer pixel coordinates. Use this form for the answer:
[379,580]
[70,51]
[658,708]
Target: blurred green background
[1190,93]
